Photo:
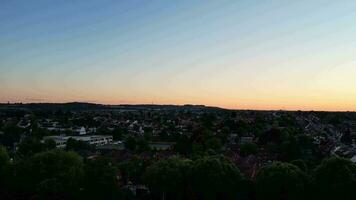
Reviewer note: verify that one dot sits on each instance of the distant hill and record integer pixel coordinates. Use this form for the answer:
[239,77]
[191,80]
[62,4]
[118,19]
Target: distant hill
[93,106]
[55,106]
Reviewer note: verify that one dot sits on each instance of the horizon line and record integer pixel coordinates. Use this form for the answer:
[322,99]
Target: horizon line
[185,104]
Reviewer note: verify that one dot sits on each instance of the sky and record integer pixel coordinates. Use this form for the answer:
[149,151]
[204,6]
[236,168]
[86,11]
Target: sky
[239,54]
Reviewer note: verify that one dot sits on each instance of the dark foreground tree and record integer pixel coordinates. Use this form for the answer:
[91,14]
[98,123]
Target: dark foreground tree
[281,181]
[4,158]
[133,169]
[100,179]
[215,177]
[4,164]
[30,146]
[77,145]
[248,149]
[168,178]
[51,175]
[335,178]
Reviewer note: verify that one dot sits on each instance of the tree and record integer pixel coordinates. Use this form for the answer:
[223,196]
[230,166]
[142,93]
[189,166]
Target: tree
[100,179]
[301,164]
[335,178]
[168,178]
[4,157]
[134,169]
[30,146]
[224,134]
[197,150]
[207,120]
[213,143]
[346,138]
[130,143]
[183,145]
[51,174]
[4,163]
[215,177]
[248,149]
[11,135]
[142,145]
[50,144]
[289,149]
[118,133]
[77,145]
[280,181]
[273,135]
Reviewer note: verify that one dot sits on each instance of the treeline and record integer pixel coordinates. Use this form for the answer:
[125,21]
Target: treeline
[215,177]
[55,174]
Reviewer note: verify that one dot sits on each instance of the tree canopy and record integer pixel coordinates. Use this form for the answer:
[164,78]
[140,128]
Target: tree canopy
[100,179]
[335,178]
[280,181]
[168,177]
[215,177]
[52,173]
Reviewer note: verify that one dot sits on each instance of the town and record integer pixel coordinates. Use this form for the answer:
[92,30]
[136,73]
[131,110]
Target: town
[132,142]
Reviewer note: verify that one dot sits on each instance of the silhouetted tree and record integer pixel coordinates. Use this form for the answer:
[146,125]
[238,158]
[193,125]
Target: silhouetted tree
[30,146]
[215,177]
[100,179]
[281,181]
[51,175]
[168,178]
[335,178]
[248,149]
[213,143]
[301,164]
[77,145]
[142,145]
[130,143]
[133,169]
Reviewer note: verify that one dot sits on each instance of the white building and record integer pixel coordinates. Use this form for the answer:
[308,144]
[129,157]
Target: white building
[96,140]
[80,131]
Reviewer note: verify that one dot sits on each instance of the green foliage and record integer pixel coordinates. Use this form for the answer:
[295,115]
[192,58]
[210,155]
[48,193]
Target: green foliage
[183,145]
[207,120]
[134,169]
[4,157]
[39,132]
[130,143]
[301,164]
[248,149]
[335,178]
[281,181]
[215,177]
[51,173]
[30,146]
[224,134]
[100,179]
[77,145]
[298,147]
[4,164]
[118,133]
[142,145]
[168,178]
[50,144]
[213,143]
[197,150]
[11,135]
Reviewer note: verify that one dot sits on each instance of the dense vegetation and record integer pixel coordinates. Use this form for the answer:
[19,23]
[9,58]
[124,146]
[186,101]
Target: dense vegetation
[56,174]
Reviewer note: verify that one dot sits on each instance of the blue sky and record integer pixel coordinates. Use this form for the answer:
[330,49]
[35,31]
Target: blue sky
[235,54]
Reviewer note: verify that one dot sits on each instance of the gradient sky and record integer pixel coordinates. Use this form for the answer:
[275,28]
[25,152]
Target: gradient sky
[235,54]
